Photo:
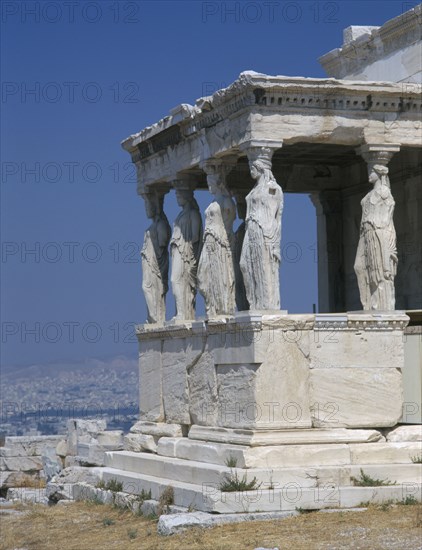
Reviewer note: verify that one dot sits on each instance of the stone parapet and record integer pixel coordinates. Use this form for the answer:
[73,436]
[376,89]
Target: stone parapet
[274,371]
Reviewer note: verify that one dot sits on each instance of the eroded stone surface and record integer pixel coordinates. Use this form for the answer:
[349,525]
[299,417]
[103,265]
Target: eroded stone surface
[26,494]
[359,348]
[21,463]
[355,397]
[216,278]
[150,374]
[185,246]
[203,397]
[175,361]
[256,438]
[140,442]
[29,445]
[297,456]
[77,474]
[260,257]
[405,433]
[175,523]
[157,428]
[155,257]
[385,453]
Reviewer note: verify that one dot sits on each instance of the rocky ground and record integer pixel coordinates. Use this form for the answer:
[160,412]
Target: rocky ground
[90,526]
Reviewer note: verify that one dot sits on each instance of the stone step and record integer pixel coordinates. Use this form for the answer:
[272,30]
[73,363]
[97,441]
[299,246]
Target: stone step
[190,471]
[257,438]
[289,455]
[385,453]
[208,498]
[150,464]
[134,483]
[399,473]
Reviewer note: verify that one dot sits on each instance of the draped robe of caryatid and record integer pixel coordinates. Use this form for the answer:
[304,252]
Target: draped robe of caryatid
[216,280]
[155,267]
[241,299]
[185,247]
[260,259]
[377,252]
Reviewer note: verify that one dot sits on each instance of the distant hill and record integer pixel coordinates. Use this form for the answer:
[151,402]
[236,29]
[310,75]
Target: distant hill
[120,363]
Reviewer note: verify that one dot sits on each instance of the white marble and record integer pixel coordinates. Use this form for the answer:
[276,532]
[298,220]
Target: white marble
[278,371]
[385,453]
[185,248]
[405,433]
[387,53]
[155,258]
[216,278]
[261,254]
[157,429]
[262,438]
[376,258]
[140,442]
[355,397]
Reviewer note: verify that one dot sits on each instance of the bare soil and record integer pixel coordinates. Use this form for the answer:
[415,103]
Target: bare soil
[89,526]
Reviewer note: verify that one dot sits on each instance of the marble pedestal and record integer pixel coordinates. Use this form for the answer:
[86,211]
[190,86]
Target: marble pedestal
[301,403]
[274,372]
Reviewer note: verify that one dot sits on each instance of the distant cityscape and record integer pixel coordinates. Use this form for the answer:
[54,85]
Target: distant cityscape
[40,399]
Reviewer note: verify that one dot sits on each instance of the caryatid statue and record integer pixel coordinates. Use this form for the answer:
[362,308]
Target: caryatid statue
[155,258]
[376,258]
[242,303]
[216,278]
[185,248]
[260,258]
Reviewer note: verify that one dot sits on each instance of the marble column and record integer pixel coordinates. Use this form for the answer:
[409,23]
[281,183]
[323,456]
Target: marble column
[216,278]
[185,248]
[260,258]
[155,257]
[376,257]
[329,254]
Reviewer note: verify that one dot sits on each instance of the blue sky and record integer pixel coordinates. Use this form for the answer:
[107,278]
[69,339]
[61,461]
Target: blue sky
[77,78]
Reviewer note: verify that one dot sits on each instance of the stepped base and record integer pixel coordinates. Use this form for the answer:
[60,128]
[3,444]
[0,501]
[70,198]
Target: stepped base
[289,476]
[207,498]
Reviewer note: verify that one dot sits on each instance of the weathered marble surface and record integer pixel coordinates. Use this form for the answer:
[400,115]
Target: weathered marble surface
[376,258]
[261,254]
[155,258]
[405,433]
[185,248]
[277,372]
[256,106]
[150,388]
[390,53]
[352,397]
[216,278]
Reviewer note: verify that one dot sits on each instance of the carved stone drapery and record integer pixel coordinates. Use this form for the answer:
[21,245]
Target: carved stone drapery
[185,248]
[155,258]
[242,303]
[216,278]
[260,258]
[376,258]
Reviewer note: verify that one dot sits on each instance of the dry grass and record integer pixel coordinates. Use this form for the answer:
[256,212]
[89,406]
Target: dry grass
[86,526]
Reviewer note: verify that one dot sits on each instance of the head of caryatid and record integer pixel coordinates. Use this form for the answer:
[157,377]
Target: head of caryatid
[260,163]
[153,204]
[378,175]
[184,193]
[217,171]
